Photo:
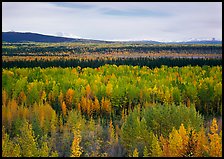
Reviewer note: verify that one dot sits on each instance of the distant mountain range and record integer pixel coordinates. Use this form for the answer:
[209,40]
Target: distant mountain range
[14,37]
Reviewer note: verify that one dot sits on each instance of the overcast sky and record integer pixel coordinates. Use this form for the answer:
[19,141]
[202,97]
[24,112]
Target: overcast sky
[160,21]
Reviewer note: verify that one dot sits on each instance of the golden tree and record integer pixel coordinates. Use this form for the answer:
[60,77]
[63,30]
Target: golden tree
[61,98]
[76,149]
[63,108]
[96,105]
[215,140]
[4,97]
[69,98]
[88,91]
[175,143]
[184,135]
[135,153]
[109,89]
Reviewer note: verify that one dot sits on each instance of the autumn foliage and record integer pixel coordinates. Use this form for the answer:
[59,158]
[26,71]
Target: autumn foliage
[112,111]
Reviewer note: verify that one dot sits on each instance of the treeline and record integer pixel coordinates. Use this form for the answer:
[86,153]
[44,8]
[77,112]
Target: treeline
[13,49]
[97,62]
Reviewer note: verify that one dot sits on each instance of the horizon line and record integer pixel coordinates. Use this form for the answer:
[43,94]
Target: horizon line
[124,40]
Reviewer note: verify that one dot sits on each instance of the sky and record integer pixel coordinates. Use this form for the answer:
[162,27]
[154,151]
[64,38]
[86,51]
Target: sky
[158,21]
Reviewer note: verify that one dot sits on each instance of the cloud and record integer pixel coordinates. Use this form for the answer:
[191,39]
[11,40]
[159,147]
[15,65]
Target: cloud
[161,21]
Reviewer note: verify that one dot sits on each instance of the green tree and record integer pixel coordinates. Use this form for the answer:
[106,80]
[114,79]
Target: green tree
[9,148]
[27,141]
[156,150]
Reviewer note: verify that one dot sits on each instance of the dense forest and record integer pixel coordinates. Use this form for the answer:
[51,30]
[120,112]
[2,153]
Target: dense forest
[111,100]
[94,62]
[112,110]
[49,49]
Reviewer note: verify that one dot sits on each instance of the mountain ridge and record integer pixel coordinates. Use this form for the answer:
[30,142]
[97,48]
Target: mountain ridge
[14,37]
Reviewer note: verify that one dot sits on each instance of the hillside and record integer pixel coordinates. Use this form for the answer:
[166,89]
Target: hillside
[14,37]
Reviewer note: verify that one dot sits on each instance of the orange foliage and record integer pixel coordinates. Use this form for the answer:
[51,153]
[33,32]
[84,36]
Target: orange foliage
[69,98]
[89,107]
[4,98]
[83,104]
[63,108]
[22,97]
[88,91]
[96,105]
[201,146]
[106,105]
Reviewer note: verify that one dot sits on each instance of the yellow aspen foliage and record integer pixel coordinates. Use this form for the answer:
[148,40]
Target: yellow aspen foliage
[83,104]
[43,96]
[76,149]
[88,91]
[145,152]
[54,121]
[54,154]
[12,108]
[23,112]
[109,89]
[201,143]
[69,98]
[192,142]
[27,141]
[63,108]
[4,116]
[184,135]
[9,117]
[135,153]
[89,107]
[106,105]
[9,149]
[96,105]
[156,150]
[74,71]
[215,145]
[175,143]
[61,98]
[79,107]
[4,98]
[44,150]
[214,126]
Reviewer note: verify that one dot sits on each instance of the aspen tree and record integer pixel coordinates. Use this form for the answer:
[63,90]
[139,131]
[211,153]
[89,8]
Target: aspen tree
[76,149]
